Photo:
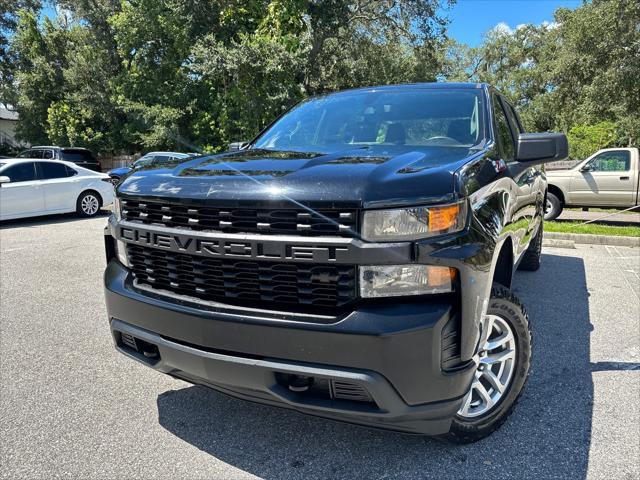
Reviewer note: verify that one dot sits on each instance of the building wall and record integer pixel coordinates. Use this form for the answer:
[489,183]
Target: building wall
[8,132]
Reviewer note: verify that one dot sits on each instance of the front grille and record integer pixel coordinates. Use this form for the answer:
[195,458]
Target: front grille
[304,287]
[268,221]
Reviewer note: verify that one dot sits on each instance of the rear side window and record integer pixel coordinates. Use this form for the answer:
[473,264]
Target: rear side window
[46,154]
[503,132]
[51,170]
[22,172]
[77,155]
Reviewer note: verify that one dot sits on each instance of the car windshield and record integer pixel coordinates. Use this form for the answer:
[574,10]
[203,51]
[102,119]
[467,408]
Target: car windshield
[415,118]
[143,161]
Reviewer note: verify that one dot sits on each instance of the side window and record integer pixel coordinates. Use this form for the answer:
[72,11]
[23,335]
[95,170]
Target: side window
[23,172]
[511,116]
[505,140]
[51,170]
[615,161]
[46,154]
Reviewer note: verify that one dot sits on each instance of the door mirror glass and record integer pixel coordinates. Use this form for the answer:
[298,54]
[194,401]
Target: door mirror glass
[4,179]
[542,147]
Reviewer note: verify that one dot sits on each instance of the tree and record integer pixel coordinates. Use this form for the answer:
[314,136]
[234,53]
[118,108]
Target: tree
[586,139]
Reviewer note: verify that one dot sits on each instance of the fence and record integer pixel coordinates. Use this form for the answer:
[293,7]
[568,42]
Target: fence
[109,163]
[563,165]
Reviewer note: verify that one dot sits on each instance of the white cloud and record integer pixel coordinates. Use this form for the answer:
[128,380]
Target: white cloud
[502,28]
[550,25]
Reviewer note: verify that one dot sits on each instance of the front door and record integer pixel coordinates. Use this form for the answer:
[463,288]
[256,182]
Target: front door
[22,196]
[604,180]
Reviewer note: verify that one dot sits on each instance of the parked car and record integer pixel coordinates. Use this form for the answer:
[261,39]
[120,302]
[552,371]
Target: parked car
[80,156]
[609,178]
[30,188]
[354,261]
[150,159]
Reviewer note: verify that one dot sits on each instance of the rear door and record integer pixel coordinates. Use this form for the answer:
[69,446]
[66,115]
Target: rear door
[23,195]
[605,180]
[59,186]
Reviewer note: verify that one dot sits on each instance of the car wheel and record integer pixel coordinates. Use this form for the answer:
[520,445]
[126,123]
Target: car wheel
[553,207]
[531,258]
[502,359]
[88,204]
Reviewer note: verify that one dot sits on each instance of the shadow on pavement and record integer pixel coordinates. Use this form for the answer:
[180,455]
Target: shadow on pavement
[548,435]
[49,220]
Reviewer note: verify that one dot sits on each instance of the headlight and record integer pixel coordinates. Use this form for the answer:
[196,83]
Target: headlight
[400,280]
[413,223]
[117,209]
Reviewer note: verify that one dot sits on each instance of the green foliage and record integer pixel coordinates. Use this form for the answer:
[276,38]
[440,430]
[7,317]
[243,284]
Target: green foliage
[580,72]
[124,76]
[586,139]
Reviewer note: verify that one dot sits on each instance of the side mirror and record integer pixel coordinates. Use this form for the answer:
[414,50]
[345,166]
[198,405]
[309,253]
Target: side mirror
[4,179]
[542,147]
[235,146]
[586,168]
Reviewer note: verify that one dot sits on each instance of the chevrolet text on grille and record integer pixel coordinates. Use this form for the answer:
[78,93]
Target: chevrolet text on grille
[230,248]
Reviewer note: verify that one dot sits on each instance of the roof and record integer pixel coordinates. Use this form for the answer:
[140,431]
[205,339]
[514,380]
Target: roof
[166,153]
[425,85]
[57,147]
[9,161]
[6,114]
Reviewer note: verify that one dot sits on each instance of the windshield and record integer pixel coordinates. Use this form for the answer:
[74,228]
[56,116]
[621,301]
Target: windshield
[414,118]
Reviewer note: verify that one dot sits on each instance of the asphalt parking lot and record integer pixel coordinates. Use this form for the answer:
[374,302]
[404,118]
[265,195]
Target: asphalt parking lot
[71,407]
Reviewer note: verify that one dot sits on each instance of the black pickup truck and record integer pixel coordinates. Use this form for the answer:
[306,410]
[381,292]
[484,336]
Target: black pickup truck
[352,262]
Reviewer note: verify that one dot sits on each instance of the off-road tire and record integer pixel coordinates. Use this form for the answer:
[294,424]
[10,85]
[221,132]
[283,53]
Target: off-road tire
[531,259]
[505,304]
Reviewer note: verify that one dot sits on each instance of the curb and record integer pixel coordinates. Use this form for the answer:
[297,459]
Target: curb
[558,239]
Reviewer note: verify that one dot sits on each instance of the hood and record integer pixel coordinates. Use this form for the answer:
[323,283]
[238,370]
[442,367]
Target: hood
[560,173]
[380,175]
[119,171]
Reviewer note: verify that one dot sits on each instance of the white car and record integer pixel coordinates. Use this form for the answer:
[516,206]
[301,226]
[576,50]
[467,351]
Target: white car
[31,187]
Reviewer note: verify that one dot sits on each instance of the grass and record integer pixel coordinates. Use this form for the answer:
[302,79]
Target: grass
[591,228]
[605,210]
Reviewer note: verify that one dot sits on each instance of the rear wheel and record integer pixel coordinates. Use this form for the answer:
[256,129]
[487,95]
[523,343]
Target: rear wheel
[553,207]
[88,204]
[502,359]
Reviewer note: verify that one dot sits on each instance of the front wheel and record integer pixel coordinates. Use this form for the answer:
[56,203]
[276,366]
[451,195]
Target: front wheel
[503,358]
[88,204]
[553,207]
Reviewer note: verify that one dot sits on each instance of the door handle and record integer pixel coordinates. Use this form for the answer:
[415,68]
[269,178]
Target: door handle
[624,178]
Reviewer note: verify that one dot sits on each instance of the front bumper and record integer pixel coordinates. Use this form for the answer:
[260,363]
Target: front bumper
[392,351]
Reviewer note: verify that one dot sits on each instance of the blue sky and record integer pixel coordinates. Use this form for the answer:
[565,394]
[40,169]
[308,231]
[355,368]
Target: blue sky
[471,19]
